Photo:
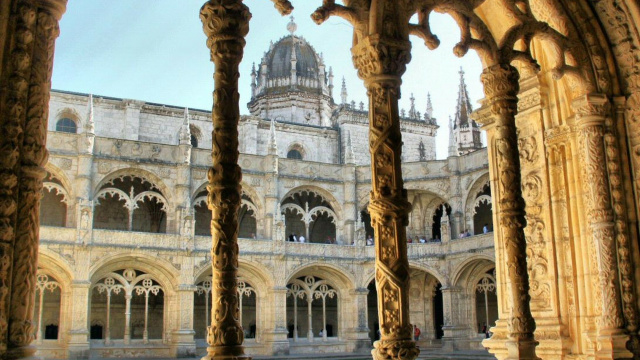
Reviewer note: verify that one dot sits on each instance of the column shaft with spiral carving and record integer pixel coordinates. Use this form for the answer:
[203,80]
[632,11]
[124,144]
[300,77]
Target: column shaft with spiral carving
[226,23]
[24,103]
[591,113]
[381,64]
[501,91]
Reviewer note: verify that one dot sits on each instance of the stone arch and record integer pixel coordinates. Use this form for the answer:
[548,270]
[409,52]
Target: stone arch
[423,207]
[144,174]
[53,264]
[471,198]
[162,270]
[324,193]
[341,278]
[62,177]
[297,146]
[463,272]
[442,278]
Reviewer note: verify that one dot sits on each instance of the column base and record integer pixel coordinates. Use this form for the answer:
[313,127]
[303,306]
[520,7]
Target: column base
[225,353]
[24,352]
[521,350]
[395,350]
[613,346]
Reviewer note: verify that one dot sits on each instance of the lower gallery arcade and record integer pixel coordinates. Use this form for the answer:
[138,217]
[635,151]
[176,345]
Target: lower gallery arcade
[562,88]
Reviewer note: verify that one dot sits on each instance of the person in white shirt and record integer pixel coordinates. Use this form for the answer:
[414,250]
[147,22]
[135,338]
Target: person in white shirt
[302,239]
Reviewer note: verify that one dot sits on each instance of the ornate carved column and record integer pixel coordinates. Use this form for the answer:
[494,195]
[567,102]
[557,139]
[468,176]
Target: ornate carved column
[591,112]
[501,90]
[24,95]
[380,64]
[226,23]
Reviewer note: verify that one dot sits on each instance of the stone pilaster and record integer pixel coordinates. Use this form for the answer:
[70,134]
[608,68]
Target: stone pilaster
[501,89]
[25,82]
[591,113]
[78,336]
[359,333]
[452,328]
[225,23]
[183,341]
[276,338]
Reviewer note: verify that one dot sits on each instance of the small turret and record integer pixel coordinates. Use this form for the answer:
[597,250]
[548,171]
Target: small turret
[343,92]
[185,130]
[466,131]
[330,82]
[254,85]
[349,156]
[412,109]
[428,115]
[273,145]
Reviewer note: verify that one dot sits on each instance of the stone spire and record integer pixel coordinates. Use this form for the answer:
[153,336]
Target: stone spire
[463,106]
[466,131]
[349,157]
[254,85]
[185,131]
[330,82]
[294,58]
[90,126]
[89,130]
[273,145]
[343,92]
[428,115]
[453,148]
[412,109]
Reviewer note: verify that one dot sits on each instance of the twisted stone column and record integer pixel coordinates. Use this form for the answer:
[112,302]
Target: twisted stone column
[226,23]
[501,92]
[381,64]
[591,112]
[24,100]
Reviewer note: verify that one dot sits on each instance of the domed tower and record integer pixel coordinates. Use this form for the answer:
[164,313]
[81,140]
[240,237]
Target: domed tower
[291,83]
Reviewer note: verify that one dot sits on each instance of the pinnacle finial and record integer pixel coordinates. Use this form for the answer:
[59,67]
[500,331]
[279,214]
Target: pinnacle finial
[90,125]
[429,113]
[292,26]
[343,93]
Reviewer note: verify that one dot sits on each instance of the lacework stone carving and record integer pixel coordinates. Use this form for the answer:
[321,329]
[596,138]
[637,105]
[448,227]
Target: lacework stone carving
[226,23]
[380,53]
[591,112]
[24,102]
[501,88]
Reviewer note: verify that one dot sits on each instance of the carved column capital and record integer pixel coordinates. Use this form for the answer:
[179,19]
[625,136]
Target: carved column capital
[591,109]
[501,87]
[54,7]
[381,60]
[226,23]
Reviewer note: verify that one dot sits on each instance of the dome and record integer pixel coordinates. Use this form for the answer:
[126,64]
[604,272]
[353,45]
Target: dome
[279,59]
[275,76]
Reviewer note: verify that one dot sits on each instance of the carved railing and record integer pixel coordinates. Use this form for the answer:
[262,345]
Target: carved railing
[142,240]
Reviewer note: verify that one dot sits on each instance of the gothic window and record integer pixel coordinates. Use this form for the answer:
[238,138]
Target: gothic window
[294,154]
[194,141]
[66,125]
[486,302]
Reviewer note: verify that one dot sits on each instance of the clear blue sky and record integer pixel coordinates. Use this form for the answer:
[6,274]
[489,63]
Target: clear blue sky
[155,51]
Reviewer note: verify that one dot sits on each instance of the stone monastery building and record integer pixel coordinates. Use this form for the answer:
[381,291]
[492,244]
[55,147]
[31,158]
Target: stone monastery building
[124,267]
